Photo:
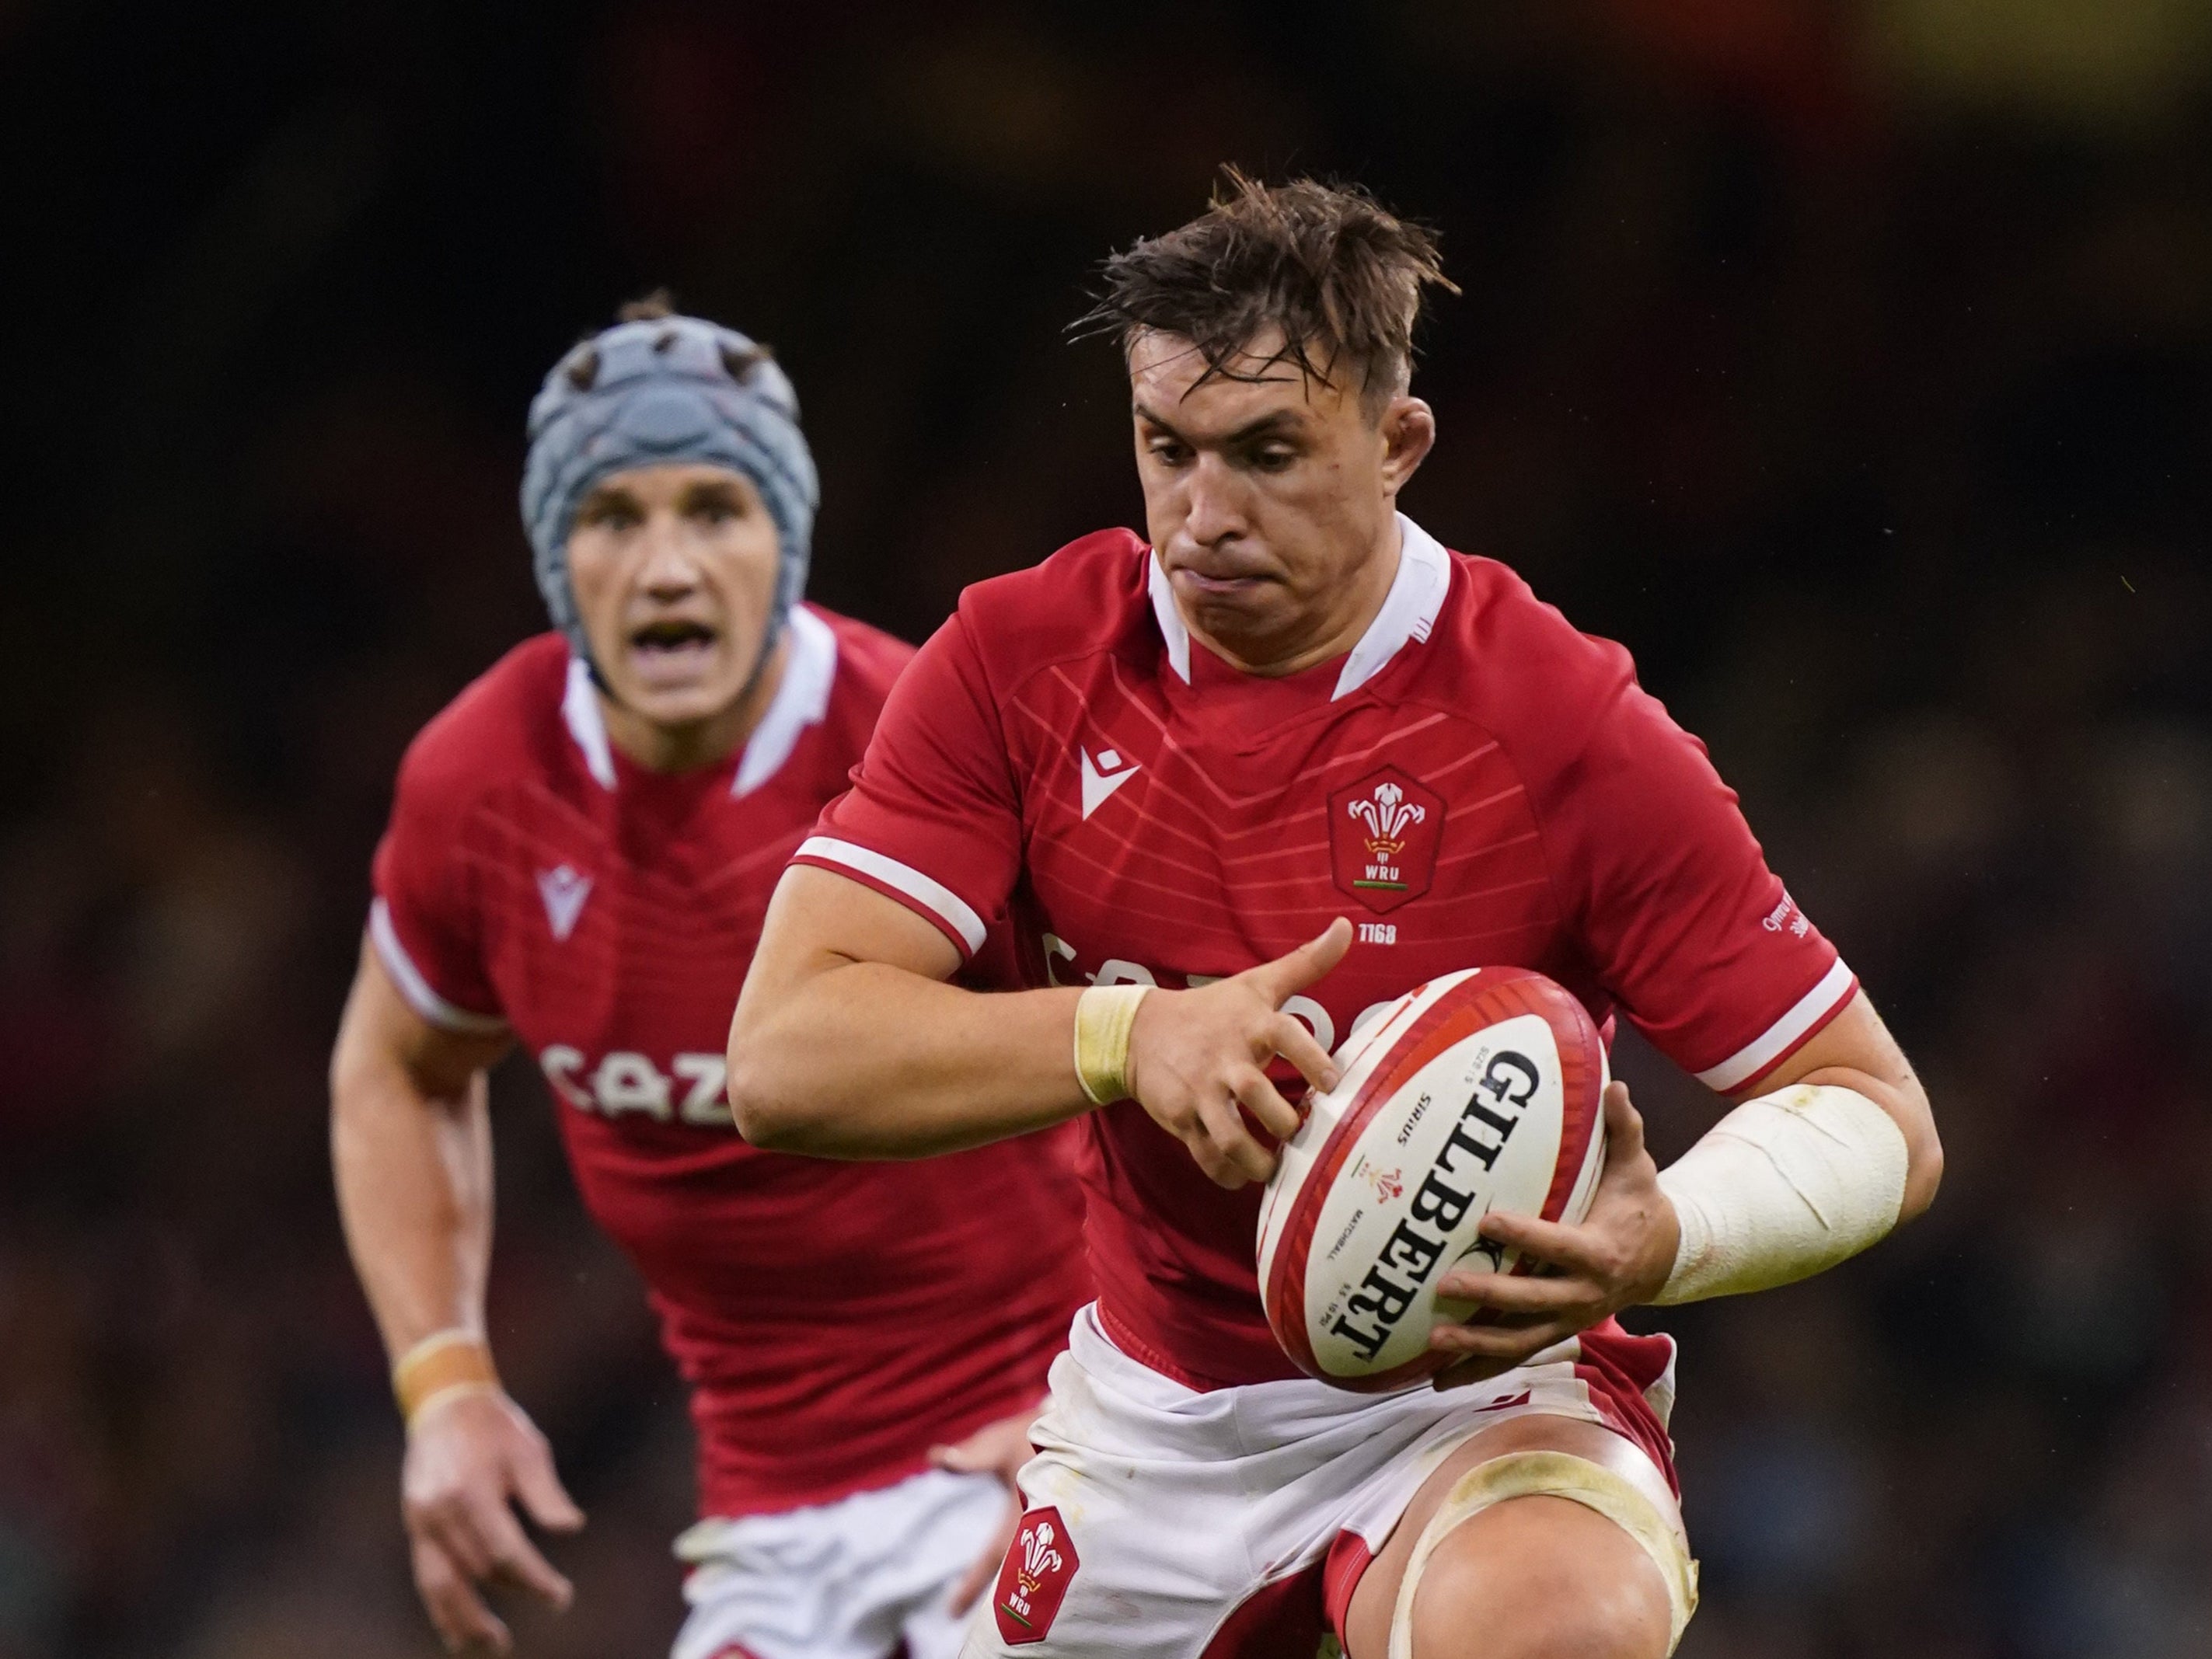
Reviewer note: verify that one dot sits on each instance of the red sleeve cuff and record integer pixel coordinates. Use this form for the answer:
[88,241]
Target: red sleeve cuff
[420,994]
[1804,1020]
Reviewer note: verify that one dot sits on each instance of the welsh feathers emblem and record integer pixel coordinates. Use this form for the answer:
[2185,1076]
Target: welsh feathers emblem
[1385,813]
[1382,836]
[1388,1183]
[1038,1558]
[1034,1578]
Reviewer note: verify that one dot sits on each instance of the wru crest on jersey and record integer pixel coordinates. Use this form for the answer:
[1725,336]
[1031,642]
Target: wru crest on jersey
[1384,832]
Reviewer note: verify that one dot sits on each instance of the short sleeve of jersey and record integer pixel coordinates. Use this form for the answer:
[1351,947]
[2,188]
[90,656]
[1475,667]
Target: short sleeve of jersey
[1686,926]
[933,817]
[424,922]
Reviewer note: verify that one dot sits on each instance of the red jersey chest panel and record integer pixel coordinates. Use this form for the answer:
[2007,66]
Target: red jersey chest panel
[616,927]
[534,879]
[1218,850]
[1474,784]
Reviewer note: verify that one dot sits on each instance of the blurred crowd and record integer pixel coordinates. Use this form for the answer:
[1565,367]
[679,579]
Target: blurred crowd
[1851,362]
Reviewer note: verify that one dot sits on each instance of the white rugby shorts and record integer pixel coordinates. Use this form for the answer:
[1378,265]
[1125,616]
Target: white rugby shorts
[1165,1523]
[856,1579]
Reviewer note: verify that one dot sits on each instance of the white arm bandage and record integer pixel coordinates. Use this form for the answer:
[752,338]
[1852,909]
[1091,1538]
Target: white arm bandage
[1784,1187]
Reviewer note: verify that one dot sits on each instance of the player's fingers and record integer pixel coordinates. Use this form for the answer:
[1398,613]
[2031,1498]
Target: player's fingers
[999,1448]
[1243,1157]
[1488,1350]
[1510,1343]
[1215,1164]
[1478,1370]
[1515,1293]
[1547,1241]
[1289,1037]
[1624,1130]
[965,1458]
[1277,1115]
[538,1486]
[1466,1371]
[1219,1168]
[457,1612]
[449,1523]
[986,1565]
[1289,974]
[516,1559]
[1512,1334]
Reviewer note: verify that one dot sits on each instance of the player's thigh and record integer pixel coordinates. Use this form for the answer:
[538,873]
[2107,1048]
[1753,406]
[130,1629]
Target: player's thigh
[1530,1575]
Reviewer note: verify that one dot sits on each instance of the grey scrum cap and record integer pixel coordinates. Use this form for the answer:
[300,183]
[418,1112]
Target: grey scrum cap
[648,393]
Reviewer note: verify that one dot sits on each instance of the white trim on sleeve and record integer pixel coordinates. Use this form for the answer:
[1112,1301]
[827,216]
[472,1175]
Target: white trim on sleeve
[933,897]
[416,989]
[1755,1056]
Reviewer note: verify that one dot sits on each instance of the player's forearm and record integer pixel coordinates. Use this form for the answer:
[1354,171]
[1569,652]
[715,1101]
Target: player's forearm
[1905,1103]
[1856,1051]
[866,1060]
[414,1186]
[1839,1149]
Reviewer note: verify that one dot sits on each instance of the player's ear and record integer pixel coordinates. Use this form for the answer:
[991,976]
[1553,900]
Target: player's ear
[1409,432]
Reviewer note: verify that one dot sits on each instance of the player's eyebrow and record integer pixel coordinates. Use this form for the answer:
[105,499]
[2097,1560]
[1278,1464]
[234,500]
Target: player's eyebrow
[1280,419]
[607,498]
[712,492]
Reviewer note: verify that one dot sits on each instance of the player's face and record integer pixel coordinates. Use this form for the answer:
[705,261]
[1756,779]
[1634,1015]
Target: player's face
[1270,500]
[674,569]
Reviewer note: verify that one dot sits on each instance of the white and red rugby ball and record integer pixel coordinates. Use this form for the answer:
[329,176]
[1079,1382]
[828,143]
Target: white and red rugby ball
[1477,1091]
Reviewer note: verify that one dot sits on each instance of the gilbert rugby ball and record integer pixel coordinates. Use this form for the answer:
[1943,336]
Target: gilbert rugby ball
[1477,1091]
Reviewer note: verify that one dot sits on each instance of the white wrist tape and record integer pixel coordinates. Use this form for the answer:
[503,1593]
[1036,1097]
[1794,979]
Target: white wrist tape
[1784,1187]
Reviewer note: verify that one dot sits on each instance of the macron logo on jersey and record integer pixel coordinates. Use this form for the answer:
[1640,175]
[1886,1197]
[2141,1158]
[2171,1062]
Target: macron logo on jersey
[1101,777]
[564,892]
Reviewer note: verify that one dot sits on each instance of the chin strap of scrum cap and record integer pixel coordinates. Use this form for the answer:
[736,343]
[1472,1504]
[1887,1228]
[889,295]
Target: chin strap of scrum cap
[1553,1475]
[649,393]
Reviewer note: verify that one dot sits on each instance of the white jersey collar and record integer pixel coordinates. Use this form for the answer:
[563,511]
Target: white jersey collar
[802,699]
[580,709]
[1409,611]
[809,668]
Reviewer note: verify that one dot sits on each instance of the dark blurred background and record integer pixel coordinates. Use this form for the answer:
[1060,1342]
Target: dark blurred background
[1852,362]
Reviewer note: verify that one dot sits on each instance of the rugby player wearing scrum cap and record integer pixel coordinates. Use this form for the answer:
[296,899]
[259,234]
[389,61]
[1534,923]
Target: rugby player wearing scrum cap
[581,850]
[1165,751]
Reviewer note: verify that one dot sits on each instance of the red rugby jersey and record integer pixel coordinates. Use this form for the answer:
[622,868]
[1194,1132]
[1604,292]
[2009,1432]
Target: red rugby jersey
[834,1320]
[1474,783]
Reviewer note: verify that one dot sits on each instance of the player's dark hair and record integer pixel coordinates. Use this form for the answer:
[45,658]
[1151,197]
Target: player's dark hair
[1340,275]
[652,308]
[657,306]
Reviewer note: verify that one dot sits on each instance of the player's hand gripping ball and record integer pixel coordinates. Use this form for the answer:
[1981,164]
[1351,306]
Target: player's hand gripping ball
[1478,1091]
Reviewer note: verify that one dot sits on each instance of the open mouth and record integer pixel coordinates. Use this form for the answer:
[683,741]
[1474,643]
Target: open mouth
[672,645]
[671,635]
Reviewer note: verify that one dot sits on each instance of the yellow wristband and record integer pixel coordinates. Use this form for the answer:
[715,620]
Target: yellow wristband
[447,1362]
[1103,1015]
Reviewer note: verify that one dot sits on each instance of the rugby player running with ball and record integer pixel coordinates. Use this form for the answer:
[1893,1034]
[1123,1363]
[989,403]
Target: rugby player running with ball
[580,850]
[1158,750]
